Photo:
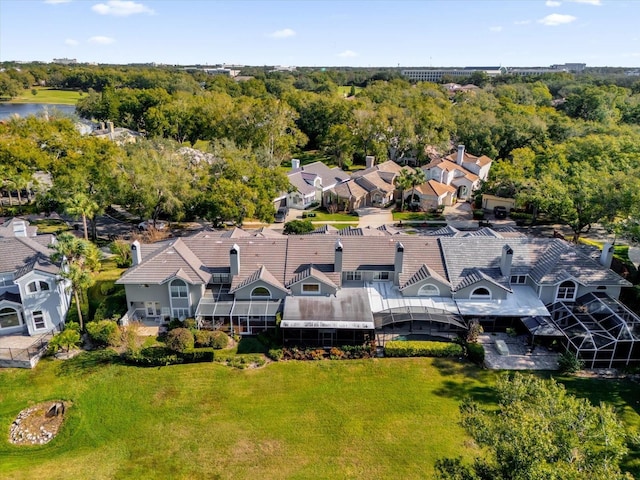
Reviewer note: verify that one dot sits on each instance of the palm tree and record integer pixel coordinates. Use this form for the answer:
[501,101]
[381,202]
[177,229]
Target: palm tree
[402,182]
[80,205]
[79,259]
[416,178]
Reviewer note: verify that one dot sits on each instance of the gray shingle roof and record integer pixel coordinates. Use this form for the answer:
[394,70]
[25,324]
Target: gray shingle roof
[21,255]
[260,274]
[423,273]
[311,272]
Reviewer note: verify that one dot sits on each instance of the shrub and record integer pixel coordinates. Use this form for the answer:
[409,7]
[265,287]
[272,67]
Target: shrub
[72,326]
[180,339]
[475,353]
[197,355]
[68,339]
[568,363]
[275,354]
[104,332]
[422,349]
[122,252]
[174,323]
[190,323]
[298,227]
[152,357]
[207,338]
[478,214]
[475,329]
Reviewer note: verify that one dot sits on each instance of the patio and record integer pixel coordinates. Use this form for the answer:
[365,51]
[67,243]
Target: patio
[22,351]
[518,355]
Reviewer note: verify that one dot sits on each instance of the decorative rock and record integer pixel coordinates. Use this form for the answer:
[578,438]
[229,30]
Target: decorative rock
[37,425]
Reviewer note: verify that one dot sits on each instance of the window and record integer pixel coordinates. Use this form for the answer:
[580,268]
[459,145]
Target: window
[311,288]
[481,294]
[6,282]
[429,290]
[381,275]
[518,279]
[260,292]
[38,286]
[180,313]
[220,278]
[179,289]
[9,317]
[566,291]
[353,276]
[38,320]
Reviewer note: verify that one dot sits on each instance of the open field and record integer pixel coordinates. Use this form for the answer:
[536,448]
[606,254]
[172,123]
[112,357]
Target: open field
[46,95]
[383,418]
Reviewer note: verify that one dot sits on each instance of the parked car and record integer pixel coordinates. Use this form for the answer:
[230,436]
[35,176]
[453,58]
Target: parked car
[281,215]
[500,212]
[148,224]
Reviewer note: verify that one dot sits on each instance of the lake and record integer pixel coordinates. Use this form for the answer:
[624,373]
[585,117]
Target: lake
[25,109]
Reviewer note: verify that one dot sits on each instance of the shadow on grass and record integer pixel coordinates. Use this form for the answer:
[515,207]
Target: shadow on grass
[251,345]
[88,362]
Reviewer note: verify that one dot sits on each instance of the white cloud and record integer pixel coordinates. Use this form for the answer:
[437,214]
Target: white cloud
[120,8]
[495,29]
[71,42]
[589,2]
[552,3]
[100,40]
[556,19]
[56,2]
[348,54]
[522,22]
[284,33]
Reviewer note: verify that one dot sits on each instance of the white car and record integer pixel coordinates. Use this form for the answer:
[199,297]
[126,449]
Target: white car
[148,224]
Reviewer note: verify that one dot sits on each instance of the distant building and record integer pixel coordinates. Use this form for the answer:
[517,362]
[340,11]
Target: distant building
[435,74]
[65,61]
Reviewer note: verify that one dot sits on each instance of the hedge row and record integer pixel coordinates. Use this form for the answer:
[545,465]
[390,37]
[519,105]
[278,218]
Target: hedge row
[422,349]
[475,353]
[158,356]
[344,352]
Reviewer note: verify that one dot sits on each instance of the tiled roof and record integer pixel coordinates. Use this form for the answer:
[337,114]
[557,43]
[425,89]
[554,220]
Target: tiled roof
[449,166]
[324,230]
[474,275]
[261,274]
[468,158]
[10,297]
[441,188]
[7,228]
[328,176]
[349,189]
[21,255]
[423,273]
[311,272]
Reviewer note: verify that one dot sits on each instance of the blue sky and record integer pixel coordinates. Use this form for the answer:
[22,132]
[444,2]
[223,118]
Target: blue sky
[328,33]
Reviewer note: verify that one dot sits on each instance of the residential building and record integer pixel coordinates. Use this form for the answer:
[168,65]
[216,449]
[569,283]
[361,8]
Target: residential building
[34,298]
[309,183]
[372,187]
[336,287]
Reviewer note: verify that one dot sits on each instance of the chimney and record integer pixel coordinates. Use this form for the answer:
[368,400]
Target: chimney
[337,263]
[234,260]
[399,258]
[505,261]
[110,125]
[370,160]
[19,228]
[136,254]
[607,255]
[295,163]
[460,157]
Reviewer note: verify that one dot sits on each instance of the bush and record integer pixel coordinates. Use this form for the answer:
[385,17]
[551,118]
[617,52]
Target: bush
[568,363]
[122,252]
[190,323]
[180,340]
[197,355]
[275,354]
[104,332]
[475,353]
[67,339]
[152,357]
[422,349]
[174,323]
[298,227]
[478,214]
[215,339]
[69,325]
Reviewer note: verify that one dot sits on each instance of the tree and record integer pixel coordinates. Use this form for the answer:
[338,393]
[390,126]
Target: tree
[80,205]
[539,431]
[417,177]
[298,227]
[402,182]
[79,258]
[338,143]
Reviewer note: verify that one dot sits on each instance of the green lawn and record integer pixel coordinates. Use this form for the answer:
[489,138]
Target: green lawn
[51,225]
[332,217]
[48,95]
[345,90]
[382,418]
[416,216]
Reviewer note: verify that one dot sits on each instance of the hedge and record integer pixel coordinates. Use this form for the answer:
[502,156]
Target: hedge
[158,356]
[475,353]
[422,349]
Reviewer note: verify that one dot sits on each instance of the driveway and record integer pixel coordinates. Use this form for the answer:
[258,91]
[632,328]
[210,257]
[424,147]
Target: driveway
[374,217]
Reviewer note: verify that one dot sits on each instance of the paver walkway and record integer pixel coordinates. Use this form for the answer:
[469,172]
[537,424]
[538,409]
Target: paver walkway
[520,356]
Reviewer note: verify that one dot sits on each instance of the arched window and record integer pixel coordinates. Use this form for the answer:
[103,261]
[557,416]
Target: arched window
[429,290]
[9,317]
[260,292]
[566,291]
[481,293]
[38,286]
[178,289]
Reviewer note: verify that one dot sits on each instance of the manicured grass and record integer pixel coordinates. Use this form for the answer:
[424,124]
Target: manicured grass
[105,286]
[332,217]
[416,216]
[48,95]
[619,251]
[51,225]
[339,226]
[381,418]
[345,90]
[387,418]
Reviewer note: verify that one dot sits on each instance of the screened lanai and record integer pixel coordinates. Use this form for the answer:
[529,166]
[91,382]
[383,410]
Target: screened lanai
[599,330]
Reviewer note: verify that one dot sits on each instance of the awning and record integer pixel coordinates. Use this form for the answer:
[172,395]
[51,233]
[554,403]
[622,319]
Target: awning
[347,309]
[256,308]
[326,324]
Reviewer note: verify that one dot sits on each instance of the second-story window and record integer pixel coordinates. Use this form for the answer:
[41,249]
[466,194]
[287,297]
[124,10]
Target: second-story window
[38,286]
[179,289]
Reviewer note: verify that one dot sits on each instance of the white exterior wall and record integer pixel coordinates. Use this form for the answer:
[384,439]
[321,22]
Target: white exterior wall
[53,303]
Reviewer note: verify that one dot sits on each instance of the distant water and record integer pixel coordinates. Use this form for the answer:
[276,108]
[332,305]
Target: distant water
[26,109]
